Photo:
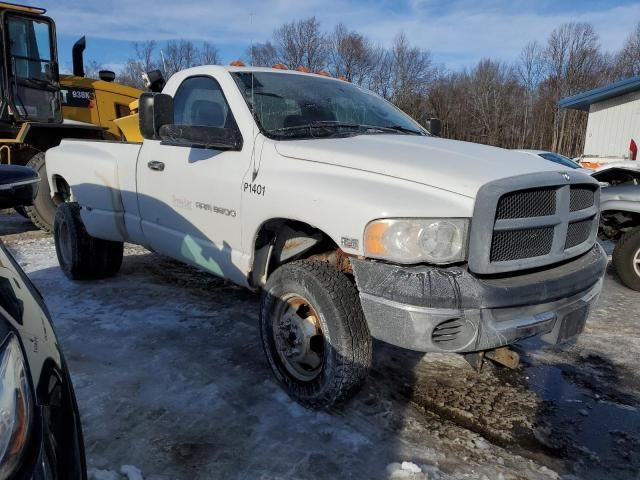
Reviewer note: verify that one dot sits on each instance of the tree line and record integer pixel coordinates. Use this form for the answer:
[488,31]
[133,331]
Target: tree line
[506,104]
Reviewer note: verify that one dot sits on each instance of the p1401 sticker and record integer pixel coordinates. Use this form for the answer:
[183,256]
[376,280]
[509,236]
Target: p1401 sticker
[254,188]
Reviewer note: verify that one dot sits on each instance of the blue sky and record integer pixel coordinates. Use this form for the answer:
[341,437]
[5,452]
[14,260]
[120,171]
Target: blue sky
[457,32]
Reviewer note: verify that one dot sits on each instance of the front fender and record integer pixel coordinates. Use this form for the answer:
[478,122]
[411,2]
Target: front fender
[340,201]
[625,198]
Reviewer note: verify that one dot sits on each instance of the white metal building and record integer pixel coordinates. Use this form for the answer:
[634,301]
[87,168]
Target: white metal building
[613,126]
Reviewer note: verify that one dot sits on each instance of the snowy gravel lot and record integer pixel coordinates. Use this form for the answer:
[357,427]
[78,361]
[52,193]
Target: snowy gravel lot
[172,384]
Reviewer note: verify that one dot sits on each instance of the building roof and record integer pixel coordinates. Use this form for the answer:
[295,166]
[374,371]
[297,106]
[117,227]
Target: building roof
[583,100]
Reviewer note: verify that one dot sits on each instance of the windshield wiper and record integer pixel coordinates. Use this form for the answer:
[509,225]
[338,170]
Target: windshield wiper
[294,130]
[400,128]
[351,126]
[364,128]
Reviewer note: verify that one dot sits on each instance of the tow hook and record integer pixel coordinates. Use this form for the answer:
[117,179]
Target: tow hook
[503,356]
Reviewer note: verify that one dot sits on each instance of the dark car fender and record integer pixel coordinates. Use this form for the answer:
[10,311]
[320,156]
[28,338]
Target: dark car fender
[56,432]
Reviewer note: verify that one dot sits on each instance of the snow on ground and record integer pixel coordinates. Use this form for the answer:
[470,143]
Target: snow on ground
[170,378]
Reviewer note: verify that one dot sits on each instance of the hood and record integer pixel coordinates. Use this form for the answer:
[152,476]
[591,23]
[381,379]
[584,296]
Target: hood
[459,167]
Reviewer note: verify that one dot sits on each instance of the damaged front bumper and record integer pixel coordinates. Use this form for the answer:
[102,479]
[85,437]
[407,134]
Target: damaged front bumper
[432,309]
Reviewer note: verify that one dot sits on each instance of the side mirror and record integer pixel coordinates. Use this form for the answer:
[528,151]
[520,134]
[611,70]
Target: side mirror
[154,111]
[18,186]
[434,126]
[202,137]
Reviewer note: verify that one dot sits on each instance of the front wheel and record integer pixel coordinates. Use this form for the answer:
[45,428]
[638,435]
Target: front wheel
[314,333]
[626,258]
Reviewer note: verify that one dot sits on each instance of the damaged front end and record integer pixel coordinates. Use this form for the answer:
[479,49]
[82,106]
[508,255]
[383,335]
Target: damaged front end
[431,309]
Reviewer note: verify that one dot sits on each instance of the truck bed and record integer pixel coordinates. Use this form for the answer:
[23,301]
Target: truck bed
[101,176]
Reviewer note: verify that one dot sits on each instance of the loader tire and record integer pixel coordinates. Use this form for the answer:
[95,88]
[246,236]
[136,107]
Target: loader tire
[43,210]
[626,258]
[81,256]
[314,333]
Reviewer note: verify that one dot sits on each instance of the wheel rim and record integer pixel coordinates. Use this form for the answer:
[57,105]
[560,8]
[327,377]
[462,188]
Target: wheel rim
[636,262]
[64,244]
[298,337]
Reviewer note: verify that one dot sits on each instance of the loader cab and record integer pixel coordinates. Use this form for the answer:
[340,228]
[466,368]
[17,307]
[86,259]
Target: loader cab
[30,90]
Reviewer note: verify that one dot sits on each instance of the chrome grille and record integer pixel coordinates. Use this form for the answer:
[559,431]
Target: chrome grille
[533,220]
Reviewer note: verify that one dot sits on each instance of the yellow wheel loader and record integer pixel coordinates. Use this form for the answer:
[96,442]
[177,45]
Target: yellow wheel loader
[39,108]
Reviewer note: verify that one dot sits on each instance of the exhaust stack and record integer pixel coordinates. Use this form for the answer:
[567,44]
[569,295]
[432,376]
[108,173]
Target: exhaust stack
[77,55]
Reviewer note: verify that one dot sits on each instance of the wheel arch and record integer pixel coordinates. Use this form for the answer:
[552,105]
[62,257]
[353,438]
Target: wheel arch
[60,189]
[279,240]
[617,219]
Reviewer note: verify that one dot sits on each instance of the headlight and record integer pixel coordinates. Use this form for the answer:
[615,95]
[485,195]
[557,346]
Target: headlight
[416,240]
[15,407]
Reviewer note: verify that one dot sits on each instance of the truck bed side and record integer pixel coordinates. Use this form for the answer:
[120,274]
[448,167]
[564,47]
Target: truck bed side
[102,179]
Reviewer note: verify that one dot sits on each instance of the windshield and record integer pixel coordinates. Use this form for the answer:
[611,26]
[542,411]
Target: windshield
[303,106]
[561,159]
[33,68]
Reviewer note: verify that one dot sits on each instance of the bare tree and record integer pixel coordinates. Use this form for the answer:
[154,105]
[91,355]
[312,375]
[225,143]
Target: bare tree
[92,69]
[145,52]
[302,43]
[175,56]
[627,62]
[263,55]
[351,55]
[179,55]
[380,80]
[412,72]
[209,54]
[143,61]
[574,63]
[494,94]
[530,72]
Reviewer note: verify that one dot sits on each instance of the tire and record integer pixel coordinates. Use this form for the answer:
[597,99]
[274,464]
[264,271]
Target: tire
[626,258]
[81,256]
[43,210]
[326,303]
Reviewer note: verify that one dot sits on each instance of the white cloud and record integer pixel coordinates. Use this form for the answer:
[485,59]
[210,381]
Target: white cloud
[458,32]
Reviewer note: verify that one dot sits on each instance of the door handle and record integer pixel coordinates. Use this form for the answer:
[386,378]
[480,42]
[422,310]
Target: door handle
[155,165]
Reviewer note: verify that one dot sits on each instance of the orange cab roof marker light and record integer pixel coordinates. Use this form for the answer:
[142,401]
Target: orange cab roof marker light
[237,63]
[323,73]
[279,66]
[303,69]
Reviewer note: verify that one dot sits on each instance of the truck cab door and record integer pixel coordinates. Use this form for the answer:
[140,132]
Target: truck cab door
[190,197]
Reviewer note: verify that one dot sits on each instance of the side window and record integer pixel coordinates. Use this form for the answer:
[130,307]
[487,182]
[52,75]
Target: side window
[199,101]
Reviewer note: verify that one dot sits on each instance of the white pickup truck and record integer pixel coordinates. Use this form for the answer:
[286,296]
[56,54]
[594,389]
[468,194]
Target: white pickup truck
[353,221]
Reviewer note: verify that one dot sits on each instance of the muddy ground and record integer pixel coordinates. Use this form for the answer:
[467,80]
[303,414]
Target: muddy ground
[171,379]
